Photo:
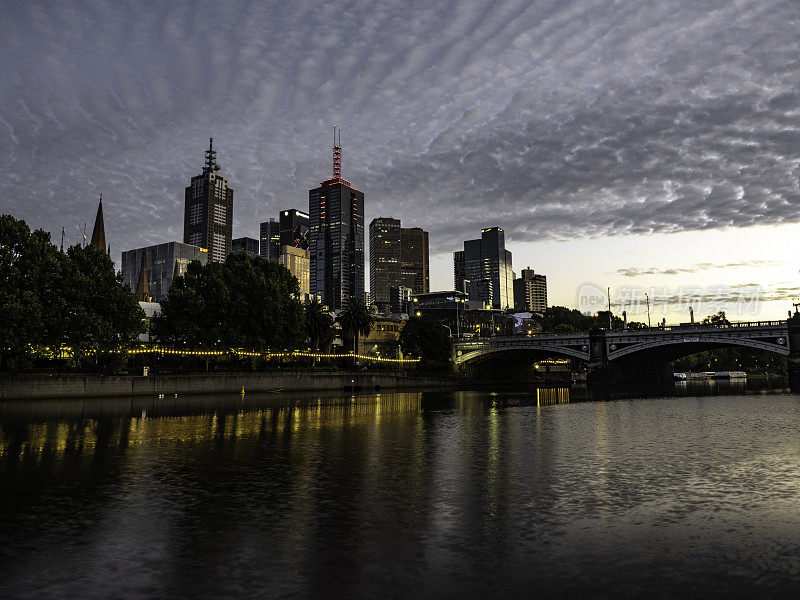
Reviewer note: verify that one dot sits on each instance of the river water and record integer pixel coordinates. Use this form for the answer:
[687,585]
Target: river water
[691,493]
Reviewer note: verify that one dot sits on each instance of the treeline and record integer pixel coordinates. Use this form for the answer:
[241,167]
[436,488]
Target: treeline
[51,300]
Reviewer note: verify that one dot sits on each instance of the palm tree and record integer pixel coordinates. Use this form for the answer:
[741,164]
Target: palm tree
[356,320]
[318,324]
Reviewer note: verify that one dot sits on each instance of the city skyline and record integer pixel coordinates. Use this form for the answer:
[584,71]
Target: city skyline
[670,163]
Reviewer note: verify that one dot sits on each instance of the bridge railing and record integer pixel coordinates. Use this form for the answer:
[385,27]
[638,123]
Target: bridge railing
[478,341]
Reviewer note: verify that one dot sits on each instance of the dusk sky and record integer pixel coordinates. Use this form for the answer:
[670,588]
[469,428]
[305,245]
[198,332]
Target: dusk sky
[633,144]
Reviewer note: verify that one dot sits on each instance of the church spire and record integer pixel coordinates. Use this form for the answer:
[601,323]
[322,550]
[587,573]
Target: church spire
[99,231]
[142,287]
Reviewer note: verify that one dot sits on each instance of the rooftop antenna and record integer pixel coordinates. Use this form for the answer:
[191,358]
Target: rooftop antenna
[337,154]
[211,157]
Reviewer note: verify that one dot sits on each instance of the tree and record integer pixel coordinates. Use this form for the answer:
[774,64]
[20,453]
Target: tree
[426,338]
[245,302]
[717,320]
[30,274]
[103,313]
[318,324]
[356,320]
[50,299]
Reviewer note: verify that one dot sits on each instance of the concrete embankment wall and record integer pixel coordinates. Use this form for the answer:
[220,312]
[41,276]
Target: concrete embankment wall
[30,387]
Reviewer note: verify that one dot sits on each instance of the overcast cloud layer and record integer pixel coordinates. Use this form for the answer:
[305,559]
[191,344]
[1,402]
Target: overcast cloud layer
[552,119]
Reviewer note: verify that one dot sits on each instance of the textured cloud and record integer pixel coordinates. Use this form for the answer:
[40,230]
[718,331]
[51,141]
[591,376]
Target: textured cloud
[639,271]
[554,119]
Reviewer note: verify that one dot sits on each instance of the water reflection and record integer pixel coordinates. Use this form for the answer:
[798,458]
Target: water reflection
[469,493]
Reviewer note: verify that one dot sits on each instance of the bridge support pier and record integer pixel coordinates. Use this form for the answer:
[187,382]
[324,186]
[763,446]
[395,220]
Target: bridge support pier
[794,352]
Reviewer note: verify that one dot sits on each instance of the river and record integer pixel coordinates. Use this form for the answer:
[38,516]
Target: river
[470,494]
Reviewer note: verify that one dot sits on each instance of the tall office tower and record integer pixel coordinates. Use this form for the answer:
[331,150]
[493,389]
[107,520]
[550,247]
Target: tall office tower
[486,264]
[270,240]
[294,228]
[248,244]
[530,292]
[160,265]
[385,243]
[414,270]
[298,262]
[398,257]
[208,219]
[336,237]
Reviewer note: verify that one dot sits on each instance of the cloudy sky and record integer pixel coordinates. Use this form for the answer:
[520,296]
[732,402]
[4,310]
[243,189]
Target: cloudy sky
[636,144]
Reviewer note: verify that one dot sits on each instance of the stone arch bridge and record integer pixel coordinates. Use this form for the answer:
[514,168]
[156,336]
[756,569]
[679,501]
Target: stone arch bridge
[633,349]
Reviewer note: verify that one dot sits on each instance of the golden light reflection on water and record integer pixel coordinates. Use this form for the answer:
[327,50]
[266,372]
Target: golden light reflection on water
[550,396]
[58,438]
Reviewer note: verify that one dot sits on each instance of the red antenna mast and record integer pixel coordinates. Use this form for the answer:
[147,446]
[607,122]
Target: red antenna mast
[337,154]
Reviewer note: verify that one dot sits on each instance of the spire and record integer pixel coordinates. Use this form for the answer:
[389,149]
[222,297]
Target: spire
[99,231]
[211,158]
[337,154]
[142,287]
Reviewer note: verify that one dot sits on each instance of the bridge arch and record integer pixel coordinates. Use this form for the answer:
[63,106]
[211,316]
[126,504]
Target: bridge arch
[521,352]
[695,345]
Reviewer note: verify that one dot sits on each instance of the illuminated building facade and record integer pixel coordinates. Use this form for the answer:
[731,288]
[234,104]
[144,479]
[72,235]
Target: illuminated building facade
[294,228]
[208,216]
[298,262]
[398,257]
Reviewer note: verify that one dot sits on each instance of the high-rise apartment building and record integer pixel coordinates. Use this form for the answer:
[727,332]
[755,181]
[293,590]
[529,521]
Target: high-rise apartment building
[162,263]
[336,238]
[530,292]
[294,228]
[270,240]
[486,265]
[398,257]
[208,217]
[248,244]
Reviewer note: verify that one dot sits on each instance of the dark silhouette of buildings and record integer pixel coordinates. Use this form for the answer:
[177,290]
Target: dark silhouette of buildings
[336,238]
[208,218]
[248,244]
[270,240]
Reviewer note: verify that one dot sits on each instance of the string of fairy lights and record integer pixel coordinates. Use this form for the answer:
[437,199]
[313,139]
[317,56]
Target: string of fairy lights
[67,352]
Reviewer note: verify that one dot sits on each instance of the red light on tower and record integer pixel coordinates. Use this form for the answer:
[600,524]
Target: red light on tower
[337,154]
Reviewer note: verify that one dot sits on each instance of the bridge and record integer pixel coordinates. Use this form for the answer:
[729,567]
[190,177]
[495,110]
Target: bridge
[616,354]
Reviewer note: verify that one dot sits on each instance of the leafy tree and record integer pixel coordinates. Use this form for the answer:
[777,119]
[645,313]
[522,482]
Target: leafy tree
[30,273]
[102,313]
[717,320]
[245,302]
[426,338]
[356,320]
[49,298]
[318,324]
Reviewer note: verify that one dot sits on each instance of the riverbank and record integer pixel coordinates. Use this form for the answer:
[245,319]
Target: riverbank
[51,386]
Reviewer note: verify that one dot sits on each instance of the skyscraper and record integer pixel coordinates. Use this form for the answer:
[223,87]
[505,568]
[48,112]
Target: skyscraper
[336,237]
[384,260]
[270,240]
[486,264]
[414,270]
[398,257]
[530,292]
[294,228]
[208,219]
[297,261]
